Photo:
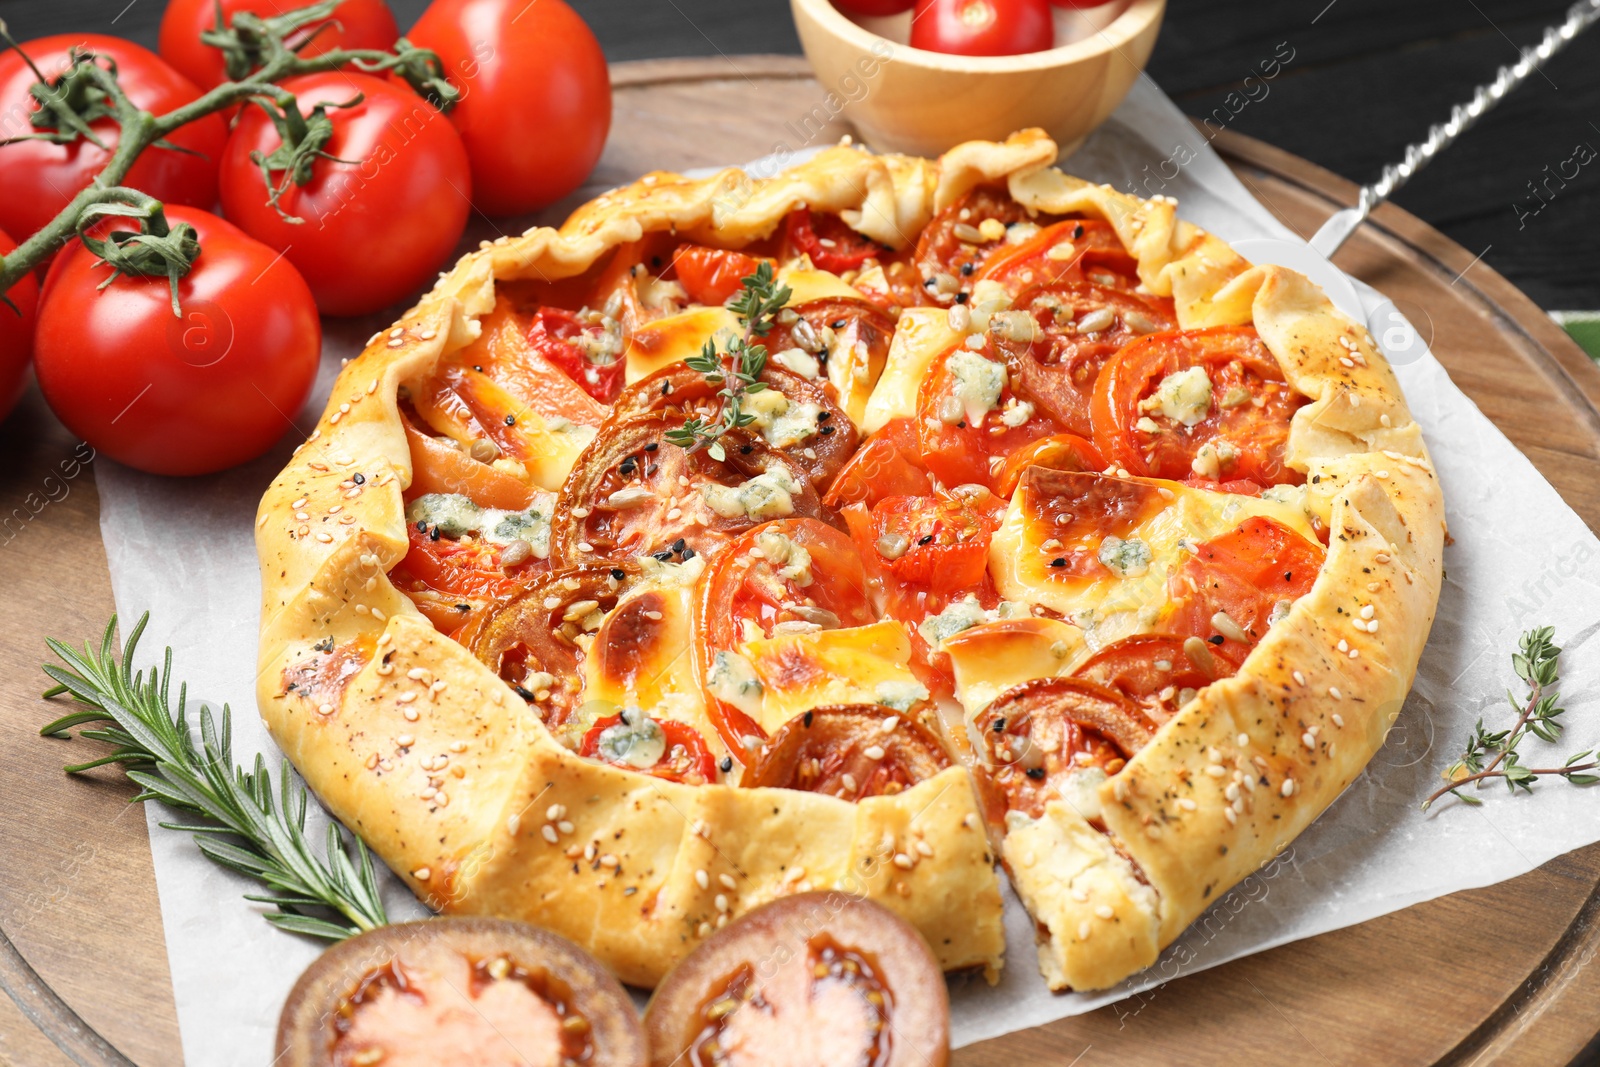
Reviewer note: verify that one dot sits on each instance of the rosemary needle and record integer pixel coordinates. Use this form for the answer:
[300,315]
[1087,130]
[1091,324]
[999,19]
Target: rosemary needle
[239,826]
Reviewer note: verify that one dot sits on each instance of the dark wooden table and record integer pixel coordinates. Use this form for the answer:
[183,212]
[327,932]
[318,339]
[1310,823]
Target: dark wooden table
[1366,78]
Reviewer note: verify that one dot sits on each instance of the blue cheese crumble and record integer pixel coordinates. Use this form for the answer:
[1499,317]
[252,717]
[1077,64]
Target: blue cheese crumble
[769,495]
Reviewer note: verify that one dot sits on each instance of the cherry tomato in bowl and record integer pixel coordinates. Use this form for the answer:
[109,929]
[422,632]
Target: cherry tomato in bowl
[187,394]
[983,27]
[379,217]
[876,9]
[536,96]
[38,178]
[356,24]
[16,333]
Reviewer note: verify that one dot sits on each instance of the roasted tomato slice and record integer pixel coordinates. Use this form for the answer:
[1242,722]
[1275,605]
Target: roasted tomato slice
[438,465]
[424,991]
[661,748]
[711,275]
[449,579]
[814,978]
[1079,327]
[1059,452]
[957,241]
[795,417]
[588,353]
[635,493]
[531,640]
[1157,672]
[1040,733]
[851,752]
[1069,251]
[848,339]
[829,241]
[1236,586]
[970,419]
[1212,403]
[889,464]
[936,545]
[799,572]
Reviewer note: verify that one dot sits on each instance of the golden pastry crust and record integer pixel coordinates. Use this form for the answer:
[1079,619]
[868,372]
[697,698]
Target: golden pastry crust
[441,768]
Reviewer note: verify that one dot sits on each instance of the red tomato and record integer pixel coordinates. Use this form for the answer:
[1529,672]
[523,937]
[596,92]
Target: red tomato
[536,96]
[1061,452]
[830,242]
[186,395]
[937,545]
[38,178]
[554,335]
[1080,4]
[874,8]
[1241,431]
[711,275]
[356,24]
[983,27]
[441,574]
[961,445]
[16,333]
[1064,252]
[743,595]
[374,229]
[1153,670]
[686,758]
[887,465]
[1245,574]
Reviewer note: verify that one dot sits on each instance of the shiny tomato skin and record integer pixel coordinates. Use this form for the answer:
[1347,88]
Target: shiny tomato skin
[876,9]
[356,24]
[38,178]
[147,388]
[352,248]
[536,96]
[712,275]
[983,27]
[844,250]
[16,333]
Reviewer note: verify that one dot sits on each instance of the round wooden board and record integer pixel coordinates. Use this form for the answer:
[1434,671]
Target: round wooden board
[1495,974]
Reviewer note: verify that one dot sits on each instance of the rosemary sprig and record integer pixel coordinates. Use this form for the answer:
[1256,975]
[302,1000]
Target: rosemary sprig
[1494,753]
[738,370]
[240,827]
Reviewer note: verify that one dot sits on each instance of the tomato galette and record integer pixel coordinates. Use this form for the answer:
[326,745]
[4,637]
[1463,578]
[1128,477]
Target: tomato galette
[855,529]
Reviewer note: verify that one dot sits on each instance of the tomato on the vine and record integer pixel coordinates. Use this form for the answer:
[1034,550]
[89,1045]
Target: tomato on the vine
[16,333]
[39,178]
[387,201]
[356,24]
[180,395]
[983,27]
[535,103]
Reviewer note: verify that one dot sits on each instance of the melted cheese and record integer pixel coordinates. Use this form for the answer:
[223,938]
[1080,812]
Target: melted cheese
[856,665]
[1164,517]
[994,656]
[675,338]
[921,336]
[807,284]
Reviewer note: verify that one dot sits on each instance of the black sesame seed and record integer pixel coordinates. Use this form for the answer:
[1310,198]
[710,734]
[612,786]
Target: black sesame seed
[838,324]
[523,693]
[679,545]
[925,540]
[478,368]
[1288,576]
[1036,773]
[745,450]
[962,425]
[618,573]
[968,268]
[962,298]
[650,470]
[1215,639]
[1000,726]
[652,446]
[1077,232]
[655,261]
[825,429]
[664,555]
[1058,562]
[433,534]
[511,420]
[807,719]
[666,388]
[628,466]
[688,554]
[726,764]
[359,479]
[824,416]
[422,525]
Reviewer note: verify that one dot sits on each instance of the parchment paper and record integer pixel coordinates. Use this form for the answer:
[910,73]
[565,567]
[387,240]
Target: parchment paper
[184,550]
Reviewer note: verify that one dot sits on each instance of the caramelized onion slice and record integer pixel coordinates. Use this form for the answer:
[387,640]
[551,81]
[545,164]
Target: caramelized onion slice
[812,979]
[458,990]
[850,751]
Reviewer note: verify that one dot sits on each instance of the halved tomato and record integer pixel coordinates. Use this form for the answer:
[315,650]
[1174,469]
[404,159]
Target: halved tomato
[970,419]
[635,493]
[849,752]
[1157,672]
[829,241]
[807,428]
[530,640]
[796,571]
[1080,326]
[661,748]
[1059,452]
[1211,402]
[956,242]
[1075,250]
[889,464]
[711,275]
[1232,586]
[1040,732]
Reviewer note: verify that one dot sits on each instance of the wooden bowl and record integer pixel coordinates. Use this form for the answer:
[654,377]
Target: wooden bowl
[904,99]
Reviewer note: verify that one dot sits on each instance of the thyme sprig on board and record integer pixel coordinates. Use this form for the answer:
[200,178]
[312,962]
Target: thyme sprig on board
[1494,753]
[738,369]
[240,826]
